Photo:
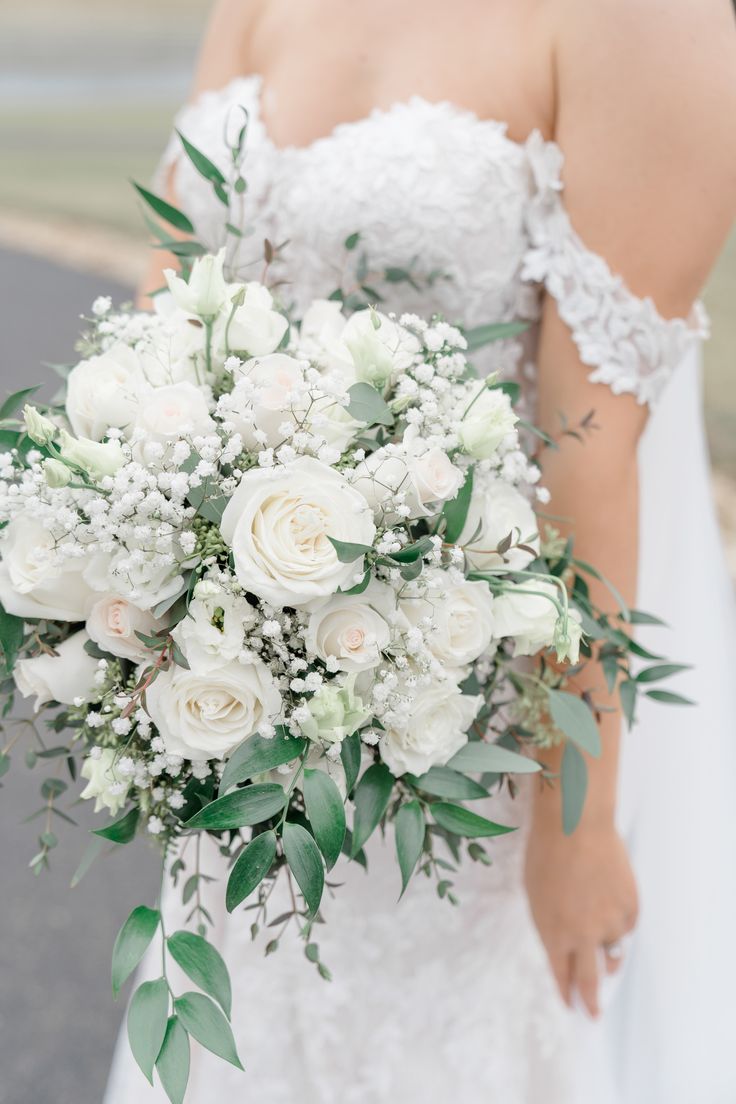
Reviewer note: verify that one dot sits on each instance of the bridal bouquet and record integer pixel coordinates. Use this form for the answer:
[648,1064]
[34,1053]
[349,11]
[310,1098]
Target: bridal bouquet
[271,578]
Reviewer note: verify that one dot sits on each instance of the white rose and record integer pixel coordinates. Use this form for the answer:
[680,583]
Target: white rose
[104,391]
[112,623]
[61,678]
[171,412]
[133,575]
[256,328]
[321,327]
[278,524]
[426,477]
[213,631]
[496,511]
[528,613]
[435,730]
[205,293]
[104,784]
[379,348]
[350,630]
[33,582]
[205,715]
[461,616]
[280,396]
[489,418]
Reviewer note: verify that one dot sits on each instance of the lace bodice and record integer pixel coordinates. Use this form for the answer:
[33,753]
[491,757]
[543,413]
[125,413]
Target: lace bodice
[433,184]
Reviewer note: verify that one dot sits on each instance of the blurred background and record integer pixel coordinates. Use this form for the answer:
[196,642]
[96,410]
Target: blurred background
[87,92]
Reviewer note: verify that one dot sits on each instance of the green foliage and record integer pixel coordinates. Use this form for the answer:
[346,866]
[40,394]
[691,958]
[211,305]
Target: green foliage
[347,552]
[121,830]
[305,862]
[326,812]
[250,868]
[493,331]
[350,754]
[147,1022]
[461,822]
[411,553]
[371,798]
[204,1021]
[13,403]
[131,944]
[367,406]
[164,210]
[479,757]
[202,164]
[410,829]
[573,717]
[241,808]
[11,637]
[445,782]
[172,1063]
[574,782]
[256,755]
[455,512]
[203,964]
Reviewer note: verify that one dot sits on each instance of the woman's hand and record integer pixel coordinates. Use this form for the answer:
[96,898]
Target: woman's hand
[583,897]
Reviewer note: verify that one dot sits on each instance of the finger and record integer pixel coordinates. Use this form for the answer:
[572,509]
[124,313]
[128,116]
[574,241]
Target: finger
[613,960]
[585,977]
[562,969]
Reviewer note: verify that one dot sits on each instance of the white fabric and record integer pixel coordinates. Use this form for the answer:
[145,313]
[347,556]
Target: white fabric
[428,1002]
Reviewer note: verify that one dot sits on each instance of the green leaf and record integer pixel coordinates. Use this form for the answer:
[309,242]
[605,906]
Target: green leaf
[121,830]
[201,1017]
[367,406]
[371,798]
[256,755]
[241,808]
[204,965]
[352,240]
[346,552]
[305,862]
[494,331]
[482,758]
[574,782]
[15,401]
[11,637]
[639,617]
[661,671]
[461,822]
[131,944]
[410,829]
[350,754]
[172,1063]
[668,697]
[147,1021]
[92,852]
[251,867]
[445,782]
[627,693]
[202,164]
[326,812]
[455,511]
[4,763]
[413,552]
[573,717]
[165,210]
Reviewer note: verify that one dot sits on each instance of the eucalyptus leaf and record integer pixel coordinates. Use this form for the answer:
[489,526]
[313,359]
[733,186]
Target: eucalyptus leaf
[368,406]
[305,863]
[173,1060]
[251,867]
[326,812]
[148,1016]
[204,1021]
[131,944]
[203,964]
[241,808]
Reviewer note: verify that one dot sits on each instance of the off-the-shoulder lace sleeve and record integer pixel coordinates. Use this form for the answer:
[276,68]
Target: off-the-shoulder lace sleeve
[624,339]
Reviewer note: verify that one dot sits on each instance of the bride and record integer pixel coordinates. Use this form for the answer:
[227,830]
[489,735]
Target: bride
[571,163]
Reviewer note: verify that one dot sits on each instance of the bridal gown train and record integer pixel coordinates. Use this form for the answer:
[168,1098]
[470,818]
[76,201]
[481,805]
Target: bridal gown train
[432,1003]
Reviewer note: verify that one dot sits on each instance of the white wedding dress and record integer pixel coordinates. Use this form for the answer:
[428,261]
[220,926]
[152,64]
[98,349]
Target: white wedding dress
[432,1003]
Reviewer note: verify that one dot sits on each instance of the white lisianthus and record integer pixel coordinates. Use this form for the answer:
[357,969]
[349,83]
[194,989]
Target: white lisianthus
[213,631]
[279,396]
[173,349]
[434,730]
[104,784]
[489,418]
[93,457]
[205,715]
[255,329]
[33,581]
[61,678]
[497,510]
[379,348]
[461,617]
[40,429]
[350,631]
[56,473]
[278,524]
[206,292]
[425,477]
[104,391]
[528,612]
[335,712]
[171,412]
[113,622]
[321,327]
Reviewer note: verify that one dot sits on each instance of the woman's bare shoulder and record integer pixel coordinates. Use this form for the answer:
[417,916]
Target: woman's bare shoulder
[226,46]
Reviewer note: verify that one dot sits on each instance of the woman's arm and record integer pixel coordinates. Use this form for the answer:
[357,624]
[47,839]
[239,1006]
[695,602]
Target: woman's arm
[223,56]
[646,116]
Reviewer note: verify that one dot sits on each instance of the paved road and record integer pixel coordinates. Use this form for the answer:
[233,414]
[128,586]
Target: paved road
[57,1017]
